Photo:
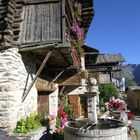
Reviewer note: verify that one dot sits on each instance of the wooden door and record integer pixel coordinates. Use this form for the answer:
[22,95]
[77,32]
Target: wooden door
[77,103]
[43,101]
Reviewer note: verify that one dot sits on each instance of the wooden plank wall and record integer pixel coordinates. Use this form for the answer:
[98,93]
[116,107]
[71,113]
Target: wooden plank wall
[78,105]
[43,101]
[41,23]
[70,80]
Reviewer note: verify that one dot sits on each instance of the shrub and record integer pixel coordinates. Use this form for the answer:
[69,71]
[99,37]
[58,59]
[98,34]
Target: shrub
[27,124]
[107,91]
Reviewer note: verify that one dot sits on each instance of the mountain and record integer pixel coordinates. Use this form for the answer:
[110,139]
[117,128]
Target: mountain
[132,73]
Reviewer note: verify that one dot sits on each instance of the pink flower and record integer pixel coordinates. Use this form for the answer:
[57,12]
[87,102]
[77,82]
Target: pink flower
[67,36]
[77,30]
[64,121]
[115,104]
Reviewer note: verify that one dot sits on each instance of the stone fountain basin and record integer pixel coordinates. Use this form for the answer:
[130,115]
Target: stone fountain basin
[104,130]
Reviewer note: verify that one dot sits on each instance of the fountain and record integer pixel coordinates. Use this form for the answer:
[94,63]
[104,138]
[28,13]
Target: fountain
[92,128]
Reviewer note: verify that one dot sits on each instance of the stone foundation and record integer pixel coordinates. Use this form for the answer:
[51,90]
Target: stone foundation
[16,74]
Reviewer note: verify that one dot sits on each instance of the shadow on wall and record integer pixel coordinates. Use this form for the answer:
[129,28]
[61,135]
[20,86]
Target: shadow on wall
[30,67]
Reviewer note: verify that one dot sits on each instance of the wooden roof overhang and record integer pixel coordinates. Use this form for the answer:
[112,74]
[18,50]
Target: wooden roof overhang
[87,13]
[61,57]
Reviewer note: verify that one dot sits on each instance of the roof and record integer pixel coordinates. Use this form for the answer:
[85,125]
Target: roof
[109,58]
[90,49]
[87,13]
[134,87]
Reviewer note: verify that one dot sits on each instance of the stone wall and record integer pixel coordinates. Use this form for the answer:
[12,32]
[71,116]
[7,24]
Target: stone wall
[16,74]
[53,102]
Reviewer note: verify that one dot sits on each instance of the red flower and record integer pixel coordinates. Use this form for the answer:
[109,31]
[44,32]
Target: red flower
[59,129]
[130,116]
[61,114]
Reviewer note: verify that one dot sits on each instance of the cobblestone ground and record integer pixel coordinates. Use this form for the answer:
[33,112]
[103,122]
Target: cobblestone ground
[136,121]
[3,136]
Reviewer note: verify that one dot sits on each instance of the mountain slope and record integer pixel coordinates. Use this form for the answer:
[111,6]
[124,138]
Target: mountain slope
[132,72]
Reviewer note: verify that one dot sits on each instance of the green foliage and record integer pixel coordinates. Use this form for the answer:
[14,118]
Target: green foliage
[130,82]
[42,117]
[106,92]
[27,124]
[58,122]
[69,112]
[136,134]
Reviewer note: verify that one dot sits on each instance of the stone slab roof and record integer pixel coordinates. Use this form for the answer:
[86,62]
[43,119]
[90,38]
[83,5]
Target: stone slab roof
[109,58]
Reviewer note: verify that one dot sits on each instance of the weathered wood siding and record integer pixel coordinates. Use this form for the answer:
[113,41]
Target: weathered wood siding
[78,105]
[70,80]
[41,23]
[43,101]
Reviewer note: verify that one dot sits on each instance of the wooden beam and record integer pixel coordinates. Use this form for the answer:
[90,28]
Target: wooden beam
[37,75]
[50,46]
[91,52]
[60,73]
[62,90]
[57,76]
[26,2]
[43,85]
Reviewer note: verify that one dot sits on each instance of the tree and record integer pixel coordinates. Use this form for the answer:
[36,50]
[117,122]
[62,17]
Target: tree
[130,82]
[107,91]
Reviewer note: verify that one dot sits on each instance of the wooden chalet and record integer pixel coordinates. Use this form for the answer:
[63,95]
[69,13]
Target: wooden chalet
[106,65]
[44,38]
[133,97]
[41,26]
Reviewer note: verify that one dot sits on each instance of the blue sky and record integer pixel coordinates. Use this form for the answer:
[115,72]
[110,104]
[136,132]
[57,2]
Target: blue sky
[115,28]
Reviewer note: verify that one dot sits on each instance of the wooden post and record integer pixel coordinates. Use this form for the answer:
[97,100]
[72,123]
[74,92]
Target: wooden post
[36,76]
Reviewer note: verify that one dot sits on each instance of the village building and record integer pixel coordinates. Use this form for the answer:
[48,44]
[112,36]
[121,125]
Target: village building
[39,41]
[109,67]
[133,97]
[105,68]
